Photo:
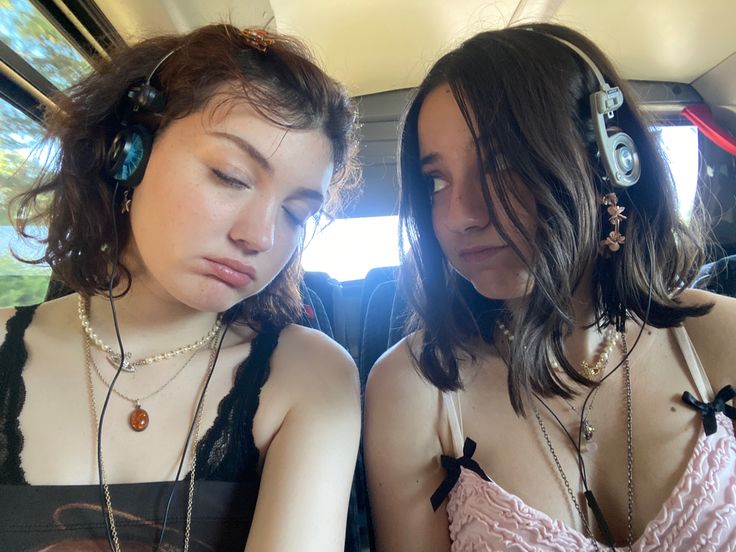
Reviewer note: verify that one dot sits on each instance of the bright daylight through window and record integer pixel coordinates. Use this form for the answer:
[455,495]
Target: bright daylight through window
[347,248]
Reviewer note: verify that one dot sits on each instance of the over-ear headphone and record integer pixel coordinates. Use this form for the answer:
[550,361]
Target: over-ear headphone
[127,156]
[618,152]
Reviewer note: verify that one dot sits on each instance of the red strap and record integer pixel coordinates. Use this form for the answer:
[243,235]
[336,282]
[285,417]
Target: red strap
[701,117]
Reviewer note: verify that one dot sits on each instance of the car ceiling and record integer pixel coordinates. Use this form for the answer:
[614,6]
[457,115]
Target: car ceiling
[381,48]
[379,45]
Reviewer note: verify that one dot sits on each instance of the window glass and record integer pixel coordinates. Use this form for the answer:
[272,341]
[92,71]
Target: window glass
[26,31]
[348,248]
[680,145]
[20,162]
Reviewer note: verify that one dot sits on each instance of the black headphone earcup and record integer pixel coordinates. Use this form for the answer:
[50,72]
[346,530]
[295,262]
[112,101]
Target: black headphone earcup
[149,98]
[128,155]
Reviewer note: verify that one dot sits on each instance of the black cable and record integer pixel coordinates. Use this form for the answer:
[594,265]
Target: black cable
[113,274]
[189,436]
[115,258]
[589,496]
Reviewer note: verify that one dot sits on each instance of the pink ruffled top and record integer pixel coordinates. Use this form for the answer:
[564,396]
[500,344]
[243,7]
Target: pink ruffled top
[699,515]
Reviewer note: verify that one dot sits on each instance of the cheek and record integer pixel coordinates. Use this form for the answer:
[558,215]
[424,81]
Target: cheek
[439,216]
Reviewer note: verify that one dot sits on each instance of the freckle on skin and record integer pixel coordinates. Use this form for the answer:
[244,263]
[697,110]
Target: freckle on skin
[673,409]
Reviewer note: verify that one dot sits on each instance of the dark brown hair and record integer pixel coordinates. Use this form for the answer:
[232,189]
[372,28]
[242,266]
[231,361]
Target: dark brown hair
[282,83]
[528,96]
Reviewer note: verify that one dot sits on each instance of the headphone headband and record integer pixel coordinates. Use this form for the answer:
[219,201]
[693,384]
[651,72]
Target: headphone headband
[618,152]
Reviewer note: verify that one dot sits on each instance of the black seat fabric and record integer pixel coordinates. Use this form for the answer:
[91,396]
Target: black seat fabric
[314,314]
[329,291]
[383,325]
[376,327]
[718,276]
[373,278]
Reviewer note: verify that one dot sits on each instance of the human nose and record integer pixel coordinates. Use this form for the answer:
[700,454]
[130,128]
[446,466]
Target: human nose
[255,227]
[467,208]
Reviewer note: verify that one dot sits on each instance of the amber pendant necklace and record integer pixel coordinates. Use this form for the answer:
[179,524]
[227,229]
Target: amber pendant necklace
[138,419]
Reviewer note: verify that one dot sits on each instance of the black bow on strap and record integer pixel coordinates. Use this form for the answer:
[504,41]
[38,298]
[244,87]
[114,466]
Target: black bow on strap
[452,466]
[709,409]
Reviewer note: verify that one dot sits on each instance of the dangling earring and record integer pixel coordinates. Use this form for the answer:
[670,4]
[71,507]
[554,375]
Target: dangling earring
[615,238]
[125,208]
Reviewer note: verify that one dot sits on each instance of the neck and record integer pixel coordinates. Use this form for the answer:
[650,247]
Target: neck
[148,323]
[586,340]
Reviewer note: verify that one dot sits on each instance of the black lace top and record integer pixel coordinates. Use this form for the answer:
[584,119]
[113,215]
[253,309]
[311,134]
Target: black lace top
[69,516]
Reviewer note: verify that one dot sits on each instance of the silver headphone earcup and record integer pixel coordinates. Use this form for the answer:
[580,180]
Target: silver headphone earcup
[625,163]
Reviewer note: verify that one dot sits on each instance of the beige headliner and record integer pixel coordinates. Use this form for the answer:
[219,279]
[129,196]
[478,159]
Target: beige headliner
[378,45]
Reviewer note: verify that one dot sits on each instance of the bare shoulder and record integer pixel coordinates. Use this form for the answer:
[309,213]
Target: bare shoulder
[395,374]
[309,354]
[713,335]
[402,447]
[310,428]
[313,374]
[50,318]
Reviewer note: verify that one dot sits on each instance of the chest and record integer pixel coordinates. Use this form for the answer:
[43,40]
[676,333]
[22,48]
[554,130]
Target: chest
[59,419]
[528,457]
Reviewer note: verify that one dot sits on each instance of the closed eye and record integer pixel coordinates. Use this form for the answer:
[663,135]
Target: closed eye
[294,218]
[230,180]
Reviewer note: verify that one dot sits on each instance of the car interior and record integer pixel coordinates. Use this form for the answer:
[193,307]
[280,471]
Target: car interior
[679,55]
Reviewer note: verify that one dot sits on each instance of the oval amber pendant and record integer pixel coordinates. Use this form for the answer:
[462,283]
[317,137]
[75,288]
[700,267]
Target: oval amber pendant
[138,419]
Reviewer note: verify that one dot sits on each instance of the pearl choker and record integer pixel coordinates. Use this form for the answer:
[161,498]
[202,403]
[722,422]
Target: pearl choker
[113,357]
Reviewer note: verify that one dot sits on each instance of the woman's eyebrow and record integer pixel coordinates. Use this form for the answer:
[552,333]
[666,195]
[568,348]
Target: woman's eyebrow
[429,159]
[309,194]
[248,148]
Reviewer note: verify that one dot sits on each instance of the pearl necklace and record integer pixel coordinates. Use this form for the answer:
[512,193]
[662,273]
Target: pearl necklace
[113,357]
[590,371]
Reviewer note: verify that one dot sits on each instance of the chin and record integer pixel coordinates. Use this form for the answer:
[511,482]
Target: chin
[214,298]
[506,288]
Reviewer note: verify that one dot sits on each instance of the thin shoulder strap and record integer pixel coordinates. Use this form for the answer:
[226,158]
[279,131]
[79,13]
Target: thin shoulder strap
[702,384]
[451,402]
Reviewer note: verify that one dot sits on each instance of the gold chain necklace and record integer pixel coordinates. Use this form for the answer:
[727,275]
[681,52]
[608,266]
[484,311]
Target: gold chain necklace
[193,464]
[138,419]
[591,369]
[113,357]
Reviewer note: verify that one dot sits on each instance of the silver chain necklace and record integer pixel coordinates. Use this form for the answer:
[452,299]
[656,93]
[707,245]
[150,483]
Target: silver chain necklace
[629,458]
[138,419]
[193,464]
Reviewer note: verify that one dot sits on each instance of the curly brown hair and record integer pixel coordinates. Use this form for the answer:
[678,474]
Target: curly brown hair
[282,83]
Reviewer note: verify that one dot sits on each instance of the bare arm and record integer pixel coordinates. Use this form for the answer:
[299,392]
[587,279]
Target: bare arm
[402,449]
[305,486]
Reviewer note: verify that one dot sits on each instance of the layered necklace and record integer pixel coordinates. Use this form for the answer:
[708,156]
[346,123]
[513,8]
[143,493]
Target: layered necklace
[195,441]
[592,370]
[587,431]
[139,418]
[129,365]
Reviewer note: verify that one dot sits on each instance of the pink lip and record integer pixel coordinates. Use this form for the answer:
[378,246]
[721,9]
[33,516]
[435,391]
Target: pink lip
[480,253]
[231,271]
